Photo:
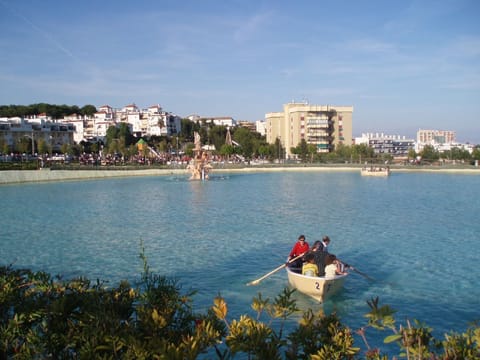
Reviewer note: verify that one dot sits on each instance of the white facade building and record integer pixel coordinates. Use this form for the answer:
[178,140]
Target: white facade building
[52,133]
[395,145]
[261,127]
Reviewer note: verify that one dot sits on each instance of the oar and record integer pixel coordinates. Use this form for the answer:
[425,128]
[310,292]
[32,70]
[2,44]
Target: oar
[256,282]
[359,272]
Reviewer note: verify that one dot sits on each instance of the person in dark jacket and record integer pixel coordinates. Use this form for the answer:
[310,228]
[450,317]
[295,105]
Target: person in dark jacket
[320,252]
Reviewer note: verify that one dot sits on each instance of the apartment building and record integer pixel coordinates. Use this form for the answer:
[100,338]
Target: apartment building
[436,136]
[152,121]
[325,126]
[39,128]
[395,145]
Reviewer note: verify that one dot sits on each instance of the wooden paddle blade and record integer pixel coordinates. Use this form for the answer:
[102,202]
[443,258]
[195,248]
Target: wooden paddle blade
[257,281]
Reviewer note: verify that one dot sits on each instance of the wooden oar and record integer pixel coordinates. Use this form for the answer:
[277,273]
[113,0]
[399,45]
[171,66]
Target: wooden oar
[256,282]
[359,272]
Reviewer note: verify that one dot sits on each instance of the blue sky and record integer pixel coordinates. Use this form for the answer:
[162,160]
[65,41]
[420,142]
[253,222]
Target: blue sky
[402,65]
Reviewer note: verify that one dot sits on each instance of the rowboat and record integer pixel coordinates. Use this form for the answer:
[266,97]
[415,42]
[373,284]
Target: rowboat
[319,288]
[375,171]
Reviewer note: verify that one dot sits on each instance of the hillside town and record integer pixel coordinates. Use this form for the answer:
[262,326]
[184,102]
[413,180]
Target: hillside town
[325,127]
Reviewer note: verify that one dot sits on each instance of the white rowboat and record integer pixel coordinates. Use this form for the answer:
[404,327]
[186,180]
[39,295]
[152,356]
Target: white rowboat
[319,288]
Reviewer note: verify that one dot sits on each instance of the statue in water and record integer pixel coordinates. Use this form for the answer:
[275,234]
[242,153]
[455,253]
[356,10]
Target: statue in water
[199,166]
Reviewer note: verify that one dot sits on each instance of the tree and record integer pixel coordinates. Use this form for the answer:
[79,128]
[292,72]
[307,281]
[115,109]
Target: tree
[55,111]
[3,146]
[24,145]
[66,149]
[88,110]
[76,149]
[227,150]
[476,153]
[121,136]
[312,151]
[457,153]
[188,127]
[243,136]
[163,145]
[429,153]
[42,146]
[218,134]
[343,152]
[412,154]
[301,150]
[267,151]
[362,152]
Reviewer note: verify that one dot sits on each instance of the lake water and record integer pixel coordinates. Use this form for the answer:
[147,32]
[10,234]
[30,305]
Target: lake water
[416,234]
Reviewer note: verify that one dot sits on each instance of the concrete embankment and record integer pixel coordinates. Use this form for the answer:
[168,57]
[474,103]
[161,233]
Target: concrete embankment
[25,176]
[43,175]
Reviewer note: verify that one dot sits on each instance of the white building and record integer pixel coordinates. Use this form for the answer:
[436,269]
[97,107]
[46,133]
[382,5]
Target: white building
[395,145]
[40,128]
[261,128]
[152,121]
[217,120]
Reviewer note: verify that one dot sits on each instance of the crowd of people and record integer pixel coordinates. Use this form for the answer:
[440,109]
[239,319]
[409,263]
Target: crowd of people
[315,260]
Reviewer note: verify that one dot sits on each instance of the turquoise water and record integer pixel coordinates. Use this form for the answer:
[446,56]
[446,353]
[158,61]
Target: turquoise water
[416,234]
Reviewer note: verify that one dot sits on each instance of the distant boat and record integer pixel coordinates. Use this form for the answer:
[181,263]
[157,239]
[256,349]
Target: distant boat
[375,171]
[319,288]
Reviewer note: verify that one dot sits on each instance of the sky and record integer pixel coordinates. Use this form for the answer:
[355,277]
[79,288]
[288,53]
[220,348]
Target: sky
[403,65]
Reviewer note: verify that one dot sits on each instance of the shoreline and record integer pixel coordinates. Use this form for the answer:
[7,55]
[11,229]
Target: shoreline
[46,175]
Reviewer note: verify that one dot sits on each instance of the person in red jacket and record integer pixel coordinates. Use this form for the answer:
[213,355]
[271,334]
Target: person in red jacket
[300,248]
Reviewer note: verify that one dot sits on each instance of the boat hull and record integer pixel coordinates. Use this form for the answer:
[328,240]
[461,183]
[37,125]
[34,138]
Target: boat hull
[318,288]
[376,172]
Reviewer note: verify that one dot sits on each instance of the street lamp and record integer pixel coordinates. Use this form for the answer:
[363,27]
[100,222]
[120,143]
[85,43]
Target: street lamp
[33,145]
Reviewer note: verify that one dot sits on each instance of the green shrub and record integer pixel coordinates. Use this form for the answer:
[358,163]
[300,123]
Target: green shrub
[49,318]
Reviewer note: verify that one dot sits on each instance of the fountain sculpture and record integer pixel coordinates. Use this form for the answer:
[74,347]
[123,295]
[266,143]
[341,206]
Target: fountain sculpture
[199,166]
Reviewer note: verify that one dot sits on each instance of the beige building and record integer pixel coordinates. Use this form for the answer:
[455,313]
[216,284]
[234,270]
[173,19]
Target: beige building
[325,126]
[436,136]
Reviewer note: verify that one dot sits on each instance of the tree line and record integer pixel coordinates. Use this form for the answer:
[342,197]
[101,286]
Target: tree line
[54,111]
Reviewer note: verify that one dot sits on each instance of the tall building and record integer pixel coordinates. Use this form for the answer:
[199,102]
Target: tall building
[325,126]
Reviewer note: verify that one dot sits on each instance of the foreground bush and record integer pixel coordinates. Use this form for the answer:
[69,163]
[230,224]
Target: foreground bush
[48,318]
